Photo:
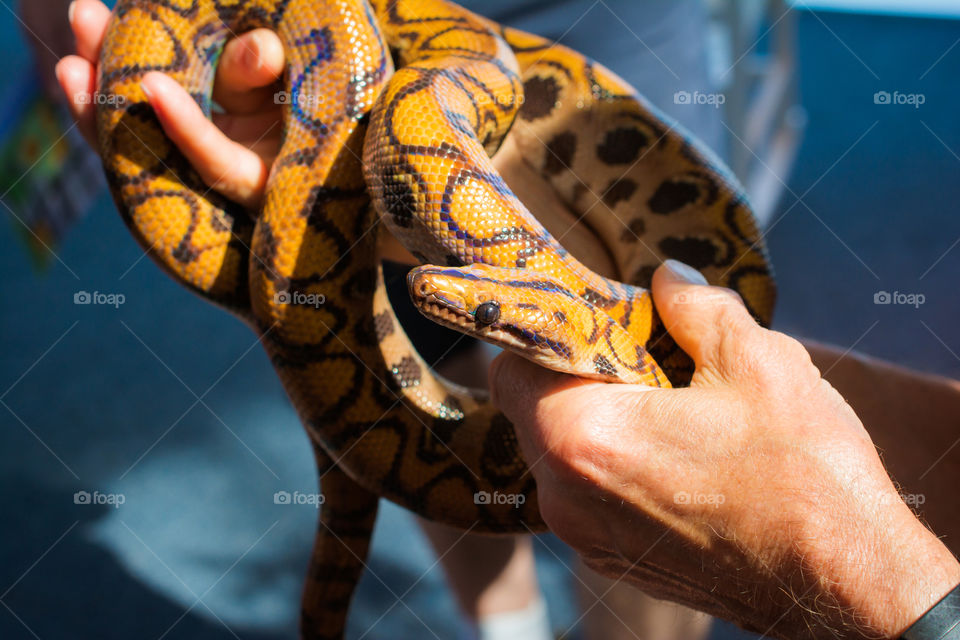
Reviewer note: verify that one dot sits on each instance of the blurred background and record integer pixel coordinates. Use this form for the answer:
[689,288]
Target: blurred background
[839,116]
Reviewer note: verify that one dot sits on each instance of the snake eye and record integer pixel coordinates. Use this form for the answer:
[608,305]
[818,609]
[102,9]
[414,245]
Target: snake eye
[487,313]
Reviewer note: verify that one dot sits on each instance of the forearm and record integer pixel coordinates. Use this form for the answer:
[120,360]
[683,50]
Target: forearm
[914,419]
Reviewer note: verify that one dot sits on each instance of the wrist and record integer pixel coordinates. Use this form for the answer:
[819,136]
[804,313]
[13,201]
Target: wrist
[888,577]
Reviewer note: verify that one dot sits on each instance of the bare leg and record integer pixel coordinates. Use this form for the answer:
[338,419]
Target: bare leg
[617,611]
[489,575]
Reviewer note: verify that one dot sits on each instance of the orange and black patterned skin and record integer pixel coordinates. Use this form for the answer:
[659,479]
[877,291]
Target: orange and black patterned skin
[382,423]
[535,317]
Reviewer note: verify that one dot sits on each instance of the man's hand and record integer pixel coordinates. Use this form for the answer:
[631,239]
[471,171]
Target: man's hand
[234,152]
[755,494]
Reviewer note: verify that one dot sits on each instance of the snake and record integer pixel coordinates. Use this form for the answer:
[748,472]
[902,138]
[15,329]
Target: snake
[394,110]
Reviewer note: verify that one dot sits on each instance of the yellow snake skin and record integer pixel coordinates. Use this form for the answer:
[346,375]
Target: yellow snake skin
[382,423]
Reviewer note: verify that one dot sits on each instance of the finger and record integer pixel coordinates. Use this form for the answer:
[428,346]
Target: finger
[224,165]
[248,69]
[77,78]
[89,19]
[698,316]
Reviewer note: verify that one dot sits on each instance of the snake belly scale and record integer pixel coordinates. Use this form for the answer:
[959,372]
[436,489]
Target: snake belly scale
[423,91]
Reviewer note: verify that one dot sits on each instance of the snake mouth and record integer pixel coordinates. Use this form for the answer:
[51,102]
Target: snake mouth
[441,310]
[435,296]
[459,319]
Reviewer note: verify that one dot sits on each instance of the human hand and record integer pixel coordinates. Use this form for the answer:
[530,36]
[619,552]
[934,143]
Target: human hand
[233,153]
[755,494]
[48,34]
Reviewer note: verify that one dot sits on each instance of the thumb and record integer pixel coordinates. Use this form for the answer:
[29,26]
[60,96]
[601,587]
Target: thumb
[699,317]
[249,65]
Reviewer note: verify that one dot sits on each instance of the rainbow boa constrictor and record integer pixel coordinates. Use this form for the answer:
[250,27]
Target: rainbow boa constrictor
[415,142]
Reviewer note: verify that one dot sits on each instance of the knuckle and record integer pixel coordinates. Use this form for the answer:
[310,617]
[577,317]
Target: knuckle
[737,343]
[778,366]
[788,349]
[732,316]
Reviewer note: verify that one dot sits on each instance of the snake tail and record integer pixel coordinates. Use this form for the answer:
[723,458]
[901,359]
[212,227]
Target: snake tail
[339,552]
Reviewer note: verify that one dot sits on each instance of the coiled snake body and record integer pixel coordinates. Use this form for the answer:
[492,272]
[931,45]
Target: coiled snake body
[411,147]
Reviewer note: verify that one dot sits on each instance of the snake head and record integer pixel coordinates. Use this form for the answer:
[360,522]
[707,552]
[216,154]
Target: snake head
[518,310]
[535,317]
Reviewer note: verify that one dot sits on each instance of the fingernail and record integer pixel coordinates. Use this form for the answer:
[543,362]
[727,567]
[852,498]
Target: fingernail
[685,272]
[251,55]
[70,10]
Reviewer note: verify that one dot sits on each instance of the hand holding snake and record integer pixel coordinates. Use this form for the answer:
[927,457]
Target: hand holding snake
[382,422]
[755,494]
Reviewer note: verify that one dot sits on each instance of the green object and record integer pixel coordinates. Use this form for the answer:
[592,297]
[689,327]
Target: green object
[48,177]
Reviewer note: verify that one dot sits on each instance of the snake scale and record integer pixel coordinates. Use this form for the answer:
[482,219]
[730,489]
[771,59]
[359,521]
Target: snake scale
[410,99]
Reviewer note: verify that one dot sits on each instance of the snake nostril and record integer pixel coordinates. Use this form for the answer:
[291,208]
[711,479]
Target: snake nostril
[423,288]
